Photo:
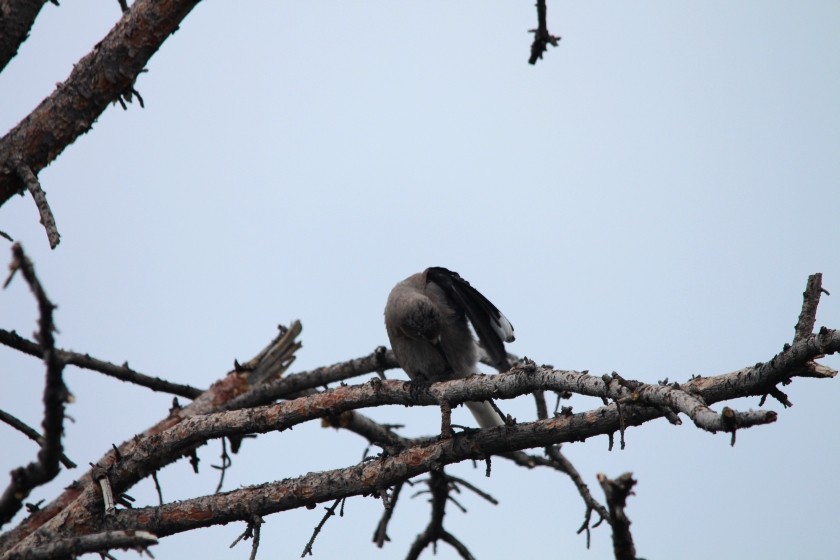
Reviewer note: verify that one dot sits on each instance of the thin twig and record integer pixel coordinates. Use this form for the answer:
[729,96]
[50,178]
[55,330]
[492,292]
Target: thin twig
[32,434]
[85,361]
[226,463]
[542,38]
[40,197]
[381,533]
[330,512]
[553,452]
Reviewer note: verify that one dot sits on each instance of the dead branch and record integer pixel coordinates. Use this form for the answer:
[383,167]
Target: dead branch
[811,299]
[15,24]
[85,361]
[40,197]
[542,38]
[617,491]
[39,472]
[32,434]
[99,542]
[100,78]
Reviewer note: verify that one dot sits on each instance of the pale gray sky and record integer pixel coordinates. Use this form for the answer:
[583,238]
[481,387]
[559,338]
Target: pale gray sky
[650,199]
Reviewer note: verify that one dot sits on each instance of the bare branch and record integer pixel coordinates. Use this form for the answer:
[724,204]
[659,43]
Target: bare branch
[100,78]
[307,550]
[85,361]
[617,491]
[15,23]
[553,452]
[291,384]
[811,299]
[24,479]
[439,487]
[381,533]
[98,542]
[542,38]
[32,434]
[40,197]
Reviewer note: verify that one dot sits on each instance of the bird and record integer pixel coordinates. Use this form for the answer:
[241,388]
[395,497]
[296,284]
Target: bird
[426,319]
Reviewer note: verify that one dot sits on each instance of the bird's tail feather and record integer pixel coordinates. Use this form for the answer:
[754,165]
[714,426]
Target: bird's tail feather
[484,414]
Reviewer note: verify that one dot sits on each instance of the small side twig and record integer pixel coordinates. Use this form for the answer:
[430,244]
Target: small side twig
[226,463]
[811,299]
[40,197]
[439,487]
[542,38]
[101,476]
[381,533]
[617,491]
[32,434]
[252,531]
[564,465]
[330,512]
[157,487]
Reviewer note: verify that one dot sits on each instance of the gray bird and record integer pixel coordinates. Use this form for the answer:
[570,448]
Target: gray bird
[426,319]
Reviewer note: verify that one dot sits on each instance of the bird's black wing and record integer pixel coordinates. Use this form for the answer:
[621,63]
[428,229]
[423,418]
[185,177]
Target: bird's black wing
[493,328]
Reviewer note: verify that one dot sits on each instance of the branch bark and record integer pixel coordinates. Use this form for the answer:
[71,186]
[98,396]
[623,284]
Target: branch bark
[148,452]
[39,472]
[105,75]
[16,19]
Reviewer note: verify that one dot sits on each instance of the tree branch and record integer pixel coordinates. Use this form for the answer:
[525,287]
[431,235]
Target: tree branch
[24,479]
[85,361]
[40,197]
[617,491]
[32,434]
[102,77]
[542,38]
[149,452]
[811,299]
[16,19]
[98,542]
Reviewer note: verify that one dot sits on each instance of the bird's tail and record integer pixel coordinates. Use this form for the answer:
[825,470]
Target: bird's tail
[484,414]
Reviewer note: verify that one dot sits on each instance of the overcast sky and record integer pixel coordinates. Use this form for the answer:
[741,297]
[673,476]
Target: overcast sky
[648,199]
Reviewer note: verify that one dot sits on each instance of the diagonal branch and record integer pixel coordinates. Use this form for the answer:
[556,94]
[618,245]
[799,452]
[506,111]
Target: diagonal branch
[24,479]
[16,19]
[102,77]
[32,434]
[85,361]
[40,197]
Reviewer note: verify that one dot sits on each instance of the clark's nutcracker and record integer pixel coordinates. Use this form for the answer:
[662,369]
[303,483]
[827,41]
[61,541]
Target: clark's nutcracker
[426,319]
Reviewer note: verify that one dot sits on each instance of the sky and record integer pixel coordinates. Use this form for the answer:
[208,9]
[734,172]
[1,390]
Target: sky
[649,199]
